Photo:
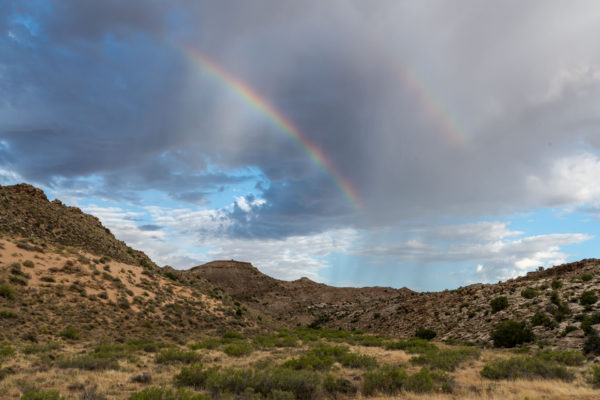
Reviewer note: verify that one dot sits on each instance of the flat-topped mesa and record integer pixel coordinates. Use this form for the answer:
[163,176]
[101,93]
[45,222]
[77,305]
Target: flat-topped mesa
[25,211]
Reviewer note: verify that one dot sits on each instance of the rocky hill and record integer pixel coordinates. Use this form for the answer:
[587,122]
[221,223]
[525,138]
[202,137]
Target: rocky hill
[26,212]
[549,300]
[59,267]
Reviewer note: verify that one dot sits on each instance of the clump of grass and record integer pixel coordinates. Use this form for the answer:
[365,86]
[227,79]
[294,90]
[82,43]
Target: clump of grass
[89,362]
[425,333]
[446,360]
[594,375]
[414,345]
[8,314]
[333,385]
[393,379]
[281,339]
[28,264]
[41,395]
[211,343]
[70,332]
[163,393]
[7,291]
[526,368]
[171,356]
[564,357]
[322,358]
[238,349]
[40,348]
[6,351]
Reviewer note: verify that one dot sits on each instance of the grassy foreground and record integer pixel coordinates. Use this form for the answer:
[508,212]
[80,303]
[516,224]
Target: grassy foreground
[298,364]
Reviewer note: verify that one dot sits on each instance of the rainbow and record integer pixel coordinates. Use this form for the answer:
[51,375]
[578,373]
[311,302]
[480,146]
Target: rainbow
[278,119]
[445,123]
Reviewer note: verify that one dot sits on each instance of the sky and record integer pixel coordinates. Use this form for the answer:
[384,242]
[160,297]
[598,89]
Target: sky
[426,144]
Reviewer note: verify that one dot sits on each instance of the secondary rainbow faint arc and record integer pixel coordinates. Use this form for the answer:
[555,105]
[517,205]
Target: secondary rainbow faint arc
[280,120]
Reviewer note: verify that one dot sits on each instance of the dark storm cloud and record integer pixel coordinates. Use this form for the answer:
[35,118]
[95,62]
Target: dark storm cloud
[103,89]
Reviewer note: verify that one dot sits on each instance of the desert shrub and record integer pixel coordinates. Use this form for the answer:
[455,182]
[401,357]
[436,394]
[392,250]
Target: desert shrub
[6,351]
[567,330]
[18,280]
[28,264]
[145,344]
[592,345]
[586,277]
[303,384]
[499,303]
[163,393]
[564,357]
[91,393]
[230,336]
[446,360]
[529,293]
[322,358]
[7,291]
[8,314]
[334,385]
[426,381]
[238,349]
[70,332]
[526,368]
[282,339]
[425,333]
[588,297]
[556,284]
[542,319]
[211,343]
[171,356]
[41,395]
[47,279]
[561,311]
[554,298]
[89,362]
[40,348]
[171,276]
[144,377]
[194,376]
[587,321]
[511,333]
[387,379]
[414,345]
[594,375]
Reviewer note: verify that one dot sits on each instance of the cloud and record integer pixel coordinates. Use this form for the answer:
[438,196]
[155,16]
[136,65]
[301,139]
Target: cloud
[500,253]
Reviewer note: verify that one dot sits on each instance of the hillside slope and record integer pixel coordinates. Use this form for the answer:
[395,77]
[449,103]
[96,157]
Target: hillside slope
[464,314]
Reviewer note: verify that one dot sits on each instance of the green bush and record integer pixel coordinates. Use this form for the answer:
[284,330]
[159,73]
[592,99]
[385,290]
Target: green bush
[499,303]
[41,395]
[567,330]
[594,375]
[194,376]
[7,291]
[8,314]
[282,339]
[526,368]
[238,349]
[40,348]
[542,319]
[211,343]
[564,357]
[529,293]
[6,351]
[586,277]
[89,362]
[334,385]
[587,321]
[70,332]
[556,284]
[446,360]
[387,379]
[592,345]
[171,356]
[322,358]
[229,336]
[414,345]
[511,333]
[393,379]
[588,298]
[162,393]
[425,333]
